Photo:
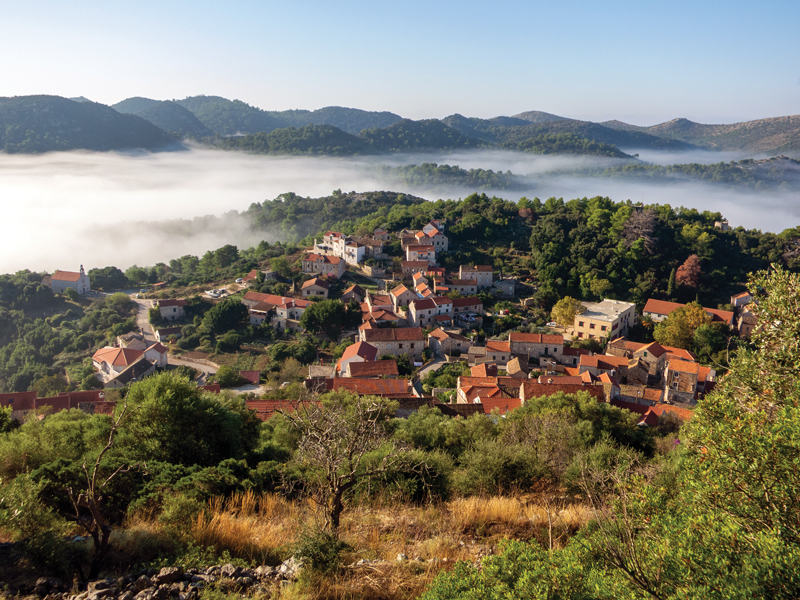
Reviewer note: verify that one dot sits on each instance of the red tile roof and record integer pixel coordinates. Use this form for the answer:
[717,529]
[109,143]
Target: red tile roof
[467,301]
[412,264]
[172,302]
[400,334]
[118,356]
[376,368]
[253,377]
[214,388]
[502,405]
[662,307]
[683,366]
[498,346]
[483,370]
[266,409]
[65,276]
[370,387]
[362,349]
[534,389]
[315,281]
[560,380]
[653,348]
[18,400]
[534,338]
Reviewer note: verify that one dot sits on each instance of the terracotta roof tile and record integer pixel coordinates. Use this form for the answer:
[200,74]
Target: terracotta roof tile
[65,276]
[376,368]
[400,334]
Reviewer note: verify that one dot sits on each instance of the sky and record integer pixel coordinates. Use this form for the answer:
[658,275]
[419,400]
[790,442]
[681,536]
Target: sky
[640,62]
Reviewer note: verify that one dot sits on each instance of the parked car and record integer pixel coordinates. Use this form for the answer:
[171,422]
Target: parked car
[552,324]
[240,280]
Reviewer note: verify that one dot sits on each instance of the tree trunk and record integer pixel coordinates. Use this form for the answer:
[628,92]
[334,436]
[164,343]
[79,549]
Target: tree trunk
[335,508]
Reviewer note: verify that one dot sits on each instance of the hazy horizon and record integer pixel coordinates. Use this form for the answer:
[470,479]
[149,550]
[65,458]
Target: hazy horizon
[64,209]
[641,63]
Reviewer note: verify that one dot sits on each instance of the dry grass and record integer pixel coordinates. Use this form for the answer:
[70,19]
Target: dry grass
[260,528]
[263,528]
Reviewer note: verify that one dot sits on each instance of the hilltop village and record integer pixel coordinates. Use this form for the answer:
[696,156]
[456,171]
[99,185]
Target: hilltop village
[410,330]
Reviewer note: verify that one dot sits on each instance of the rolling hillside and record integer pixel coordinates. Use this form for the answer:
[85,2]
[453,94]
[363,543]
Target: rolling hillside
[176,119]
[32,124]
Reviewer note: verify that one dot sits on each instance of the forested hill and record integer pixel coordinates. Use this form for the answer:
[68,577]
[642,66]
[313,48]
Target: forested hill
[31,124]
[435,176]
[778,134]
[176,119]
[402,136]
[779,173]
[515,130]
[350,120]
[230,117]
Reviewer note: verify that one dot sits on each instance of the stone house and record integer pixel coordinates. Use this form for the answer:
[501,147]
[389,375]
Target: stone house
[61,280]
[409,267]
[358,352]
[534,345]
[402,296]
[321,264]
[462,286]
[482,274]
[172,310]
[442,342]
[498,351]
[315,288]
[467,306]
[354,292]
[391,341]
[680,381]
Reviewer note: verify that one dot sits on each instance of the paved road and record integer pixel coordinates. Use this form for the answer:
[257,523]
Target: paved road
[436,364]
[206,370]
[143,317]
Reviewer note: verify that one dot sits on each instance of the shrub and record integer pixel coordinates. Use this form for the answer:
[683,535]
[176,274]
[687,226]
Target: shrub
[321,550]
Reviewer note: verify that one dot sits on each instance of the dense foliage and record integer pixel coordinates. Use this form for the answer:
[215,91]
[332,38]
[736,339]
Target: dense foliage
[229,117]
[323,140]
[447,176]
[719,522]
[41,335]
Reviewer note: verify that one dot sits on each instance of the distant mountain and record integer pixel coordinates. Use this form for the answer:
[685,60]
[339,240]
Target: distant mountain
[509,133]
[537,116]
[79,99]
[174,118]
[778,134]
[350,120]
[323,140]
[133,106]
[230,117]
[30,124]
[405,135]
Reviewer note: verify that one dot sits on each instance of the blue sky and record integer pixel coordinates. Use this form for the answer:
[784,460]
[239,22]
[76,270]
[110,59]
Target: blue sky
[641,62]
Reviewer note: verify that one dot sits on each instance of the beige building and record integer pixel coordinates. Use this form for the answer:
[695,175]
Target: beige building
[323,265]
[314,288]
[609,318]
[534,345]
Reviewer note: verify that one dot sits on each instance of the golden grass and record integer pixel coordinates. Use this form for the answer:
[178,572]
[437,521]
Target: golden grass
[260,528]
[263,529]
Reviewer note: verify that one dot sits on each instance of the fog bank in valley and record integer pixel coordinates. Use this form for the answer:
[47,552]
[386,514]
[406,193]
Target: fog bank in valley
[65,209]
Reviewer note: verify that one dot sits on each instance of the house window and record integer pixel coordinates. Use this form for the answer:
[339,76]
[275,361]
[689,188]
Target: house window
[603,327]
[401,345]
[412,345]
[591,325]
[580,323]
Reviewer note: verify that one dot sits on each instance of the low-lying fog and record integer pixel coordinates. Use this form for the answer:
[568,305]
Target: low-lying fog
[66,209]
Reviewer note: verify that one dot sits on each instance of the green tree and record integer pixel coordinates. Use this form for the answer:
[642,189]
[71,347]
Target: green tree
[280,265]
[225,316]
[678,329]
[174,421]
[330,316]
[565,311]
